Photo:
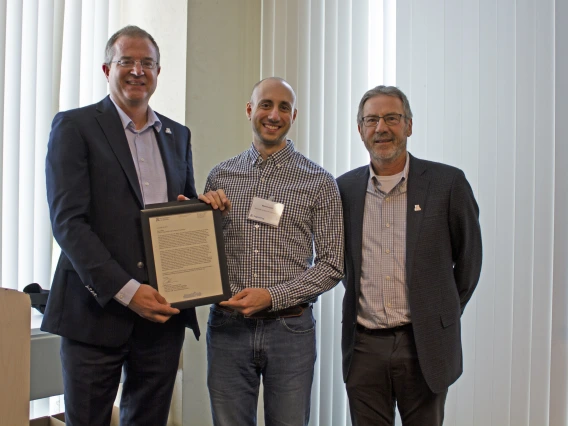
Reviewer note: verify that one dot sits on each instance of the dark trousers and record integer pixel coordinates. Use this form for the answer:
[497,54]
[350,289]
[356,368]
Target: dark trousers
[91,375]
[385,372]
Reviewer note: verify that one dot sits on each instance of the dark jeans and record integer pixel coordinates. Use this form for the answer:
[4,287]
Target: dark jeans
[242,350]
[91,375]
[385,372]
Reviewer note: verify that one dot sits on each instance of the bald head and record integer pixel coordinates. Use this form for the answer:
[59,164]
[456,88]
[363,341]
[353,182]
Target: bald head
[272,81]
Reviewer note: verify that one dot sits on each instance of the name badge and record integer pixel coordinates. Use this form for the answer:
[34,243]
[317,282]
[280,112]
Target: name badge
[266,211]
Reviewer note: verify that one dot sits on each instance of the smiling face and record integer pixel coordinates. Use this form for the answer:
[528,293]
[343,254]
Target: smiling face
[132,87]
[271,111]
[386,144]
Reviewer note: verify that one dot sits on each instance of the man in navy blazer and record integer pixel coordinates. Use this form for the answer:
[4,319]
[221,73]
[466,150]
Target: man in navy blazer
[412,261]
[105,162]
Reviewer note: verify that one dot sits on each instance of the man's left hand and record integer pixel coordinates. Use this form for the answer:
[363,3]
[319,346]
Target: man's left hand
[249,301]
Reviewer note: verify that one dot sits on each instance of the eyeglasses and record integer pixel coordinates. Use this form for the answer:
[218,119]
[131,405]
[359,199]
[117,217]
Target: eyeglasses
[389,119]
[147,64]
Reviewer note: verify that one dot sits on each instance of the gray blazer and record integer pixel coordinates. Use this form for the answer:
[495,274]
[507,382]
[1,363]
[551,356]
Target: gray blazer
[443,262]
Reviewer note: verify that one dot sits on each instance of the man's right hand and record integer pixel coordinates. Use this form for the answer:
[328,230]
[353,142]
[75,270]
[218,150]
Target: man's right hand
[150,304]
[217,200]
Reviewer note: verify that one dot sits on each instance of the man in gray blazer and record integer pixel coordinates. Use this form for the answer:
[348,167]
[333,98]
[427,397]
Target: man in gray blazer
[412,261]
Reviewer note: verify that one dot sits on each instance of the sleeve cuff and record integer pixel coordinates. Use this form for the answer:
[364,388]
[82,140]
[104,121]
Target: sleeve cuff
[126,293]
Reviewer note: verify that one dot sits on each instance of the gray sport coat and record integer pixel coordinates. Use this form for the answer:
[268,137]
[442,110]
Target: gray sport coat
[443,262]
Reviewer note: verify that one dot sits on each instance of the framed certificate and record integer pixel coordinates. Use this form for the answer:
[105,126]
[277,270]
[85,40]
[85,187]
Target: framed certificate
[185,253]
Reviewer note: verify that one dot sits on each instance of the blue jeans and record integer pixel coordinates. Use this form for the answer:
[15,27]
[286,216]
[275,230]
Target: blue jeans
[240,350]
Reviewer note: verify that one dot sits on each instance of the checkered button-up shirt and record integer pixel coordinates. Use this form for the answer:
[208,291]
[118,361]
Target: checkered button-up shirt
[281,259]
[383,302]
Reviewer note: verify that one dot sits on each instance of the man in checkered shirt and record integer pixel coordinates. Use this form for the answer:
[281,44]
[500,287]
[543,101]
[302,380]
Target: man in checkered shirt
[283,206]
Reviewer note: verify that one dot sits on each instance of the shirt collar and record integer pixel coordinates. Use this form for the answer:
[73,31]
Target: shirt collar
[278,157]
[374,177]
[127,122]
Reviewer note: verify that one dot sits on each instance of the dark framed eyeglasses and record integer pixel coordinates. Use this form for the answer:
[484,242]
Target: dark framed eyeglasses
[389,119]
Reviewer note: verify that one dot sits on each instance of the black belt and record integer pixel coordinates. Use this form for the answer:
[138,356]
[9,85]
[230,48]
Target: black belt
[383,331]
[292,311]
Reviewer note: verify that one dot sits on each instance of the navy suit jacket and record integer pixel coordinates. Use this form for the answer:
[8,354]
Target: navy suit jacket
[443,262]
[94,201]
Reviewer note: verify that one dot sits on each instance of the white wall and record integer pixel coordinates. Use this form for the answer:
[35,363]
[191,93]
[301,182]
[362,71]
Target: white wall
[223,63]
[170,32]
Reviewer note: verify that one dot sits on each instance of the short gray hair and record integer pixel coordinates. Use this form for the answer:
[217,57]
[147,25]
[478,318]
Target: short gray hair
[393,91]
[128,31]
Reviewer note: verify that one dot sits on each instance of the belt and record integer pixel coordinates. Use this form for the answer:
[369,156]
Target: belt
[292,311]
[383,331]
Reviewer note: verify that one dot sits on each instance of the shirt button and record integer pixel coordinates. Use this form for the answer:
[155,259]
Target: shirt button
[257,226]
[388,225]
[389,305]
[387,251]
[387,278]
[140,265]
[255,275]
[142,160]
[147,183]
[121,296]
[262,180]
[256,251]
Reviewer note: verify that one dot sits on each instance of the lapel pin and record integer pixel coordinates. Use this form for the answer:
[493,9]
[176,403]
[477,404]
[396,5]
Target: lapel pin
[417,208]
[168,131]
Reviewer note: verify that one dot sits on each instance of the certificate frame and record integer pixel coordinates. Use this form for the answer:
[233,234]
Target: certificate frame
[165,227]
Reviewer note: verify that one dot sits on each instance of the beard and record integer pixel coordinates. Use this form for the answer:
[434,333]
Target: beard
[396,149]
